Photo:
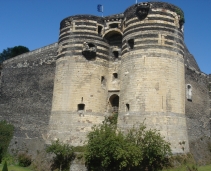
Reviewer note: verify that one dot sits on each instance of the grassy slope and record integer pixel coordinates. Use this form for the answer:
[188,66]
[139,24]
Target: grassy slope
[15,168]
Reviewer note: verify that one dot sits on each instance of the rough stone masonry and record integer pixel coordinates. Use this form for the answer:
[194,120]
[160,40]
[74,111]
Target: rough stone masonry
[134,63]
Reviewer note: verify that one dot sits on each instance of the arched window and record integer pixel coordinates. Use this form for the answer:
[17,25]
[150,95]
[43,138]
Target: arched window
[189,92]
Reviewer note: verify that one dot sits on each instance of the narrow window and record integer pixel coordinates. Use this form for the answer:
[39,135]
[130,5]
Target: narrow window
[127,107]
[189,92]
[102,79]
[131,43]
[99,29]
[115,75]
[116,54]
[81,106]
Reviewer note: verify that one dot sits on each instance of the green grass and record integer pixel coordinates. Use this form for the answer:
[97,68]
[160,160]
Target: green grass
[15,168]
[184,168]
[205,168]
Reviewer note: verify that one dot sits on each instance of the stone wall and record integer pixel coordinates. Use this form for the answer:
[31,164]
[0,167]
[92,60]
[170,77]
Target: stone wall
[198,114]
[26,96]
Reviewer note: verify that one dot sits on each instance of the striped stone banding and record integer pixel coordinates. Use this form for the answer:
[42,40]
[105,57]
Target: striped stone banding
[161,13]
[152,54]
[90,18]
[64,30]
[150,24]
[80,54]
[146,47]
[81,42]
[141,42]
[137,30]
[85,23]
[86,28]
[168,37]
[72,36]
[75,34]
[161,19]
[80,48]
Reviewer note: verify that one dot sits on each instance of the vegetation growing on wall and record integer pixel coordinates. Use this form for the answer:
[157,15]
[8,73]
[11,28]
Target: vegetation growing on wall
[6,133]
[138,149]
[181,14]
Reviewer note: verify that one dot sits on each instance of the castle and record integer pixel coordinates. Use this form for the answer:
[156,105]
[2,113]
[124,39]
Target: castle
[134,63]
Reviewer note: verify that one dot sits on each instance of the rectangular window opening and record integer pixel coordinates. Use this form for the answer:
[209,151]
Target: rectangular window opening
[131,43]
[115,75]
[99,29]
[127,107]
[114,25]
[102,79]
[81,106]
[116,54]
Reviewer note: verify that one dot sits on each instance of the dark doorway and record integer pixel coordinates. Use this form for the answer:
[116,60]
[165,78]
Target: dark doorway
[114,101]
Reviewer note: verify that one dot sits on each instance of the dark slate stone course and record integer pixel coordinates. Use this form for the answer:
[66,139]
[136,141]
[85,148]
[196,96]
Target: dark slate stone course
[80,54]
[85,28]
[161,13]
[85,23]
[174,39]
[81,42]
[65,30]
[161,18]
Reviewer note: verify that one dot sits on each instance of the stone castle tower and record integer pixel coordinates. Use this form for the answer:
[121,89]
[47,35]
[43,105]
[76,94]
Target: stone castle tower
[131,63]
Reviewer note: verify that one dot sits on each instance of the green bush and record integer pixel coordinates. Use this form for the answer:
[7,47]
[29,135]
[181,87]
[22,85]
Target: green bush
[64,154]
[9,159]
[138,149]
[6,134]
[24,159]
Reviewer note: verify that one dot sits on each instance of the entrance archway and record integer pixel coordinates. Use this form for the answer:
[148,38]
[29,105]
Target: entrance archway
[114,102]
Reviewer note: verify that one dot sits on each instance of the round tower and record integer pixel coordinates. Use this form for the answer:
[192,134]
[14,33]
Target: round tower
[80,93]
[152,88]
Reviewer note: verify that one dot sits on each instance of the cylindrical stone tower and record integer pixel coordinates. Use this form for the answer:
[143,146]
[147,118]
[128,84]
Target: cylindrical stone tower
[152,87]
[80,93]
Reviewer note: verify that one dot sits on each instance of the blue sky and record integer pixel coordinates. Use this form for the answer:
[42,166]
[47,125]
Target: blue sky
[35,23]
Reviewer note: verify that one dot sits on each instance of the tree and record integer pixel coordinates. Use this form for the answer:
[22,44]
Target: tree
[5,167]
[6,134]
[138,149]
[12,52]
[64,154]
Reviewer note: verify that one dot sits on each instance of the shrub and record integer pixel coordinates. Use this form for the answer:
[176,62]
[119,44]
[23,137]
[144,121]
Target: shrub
[24,159]
[6,133]
[64,154]
[138,149]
